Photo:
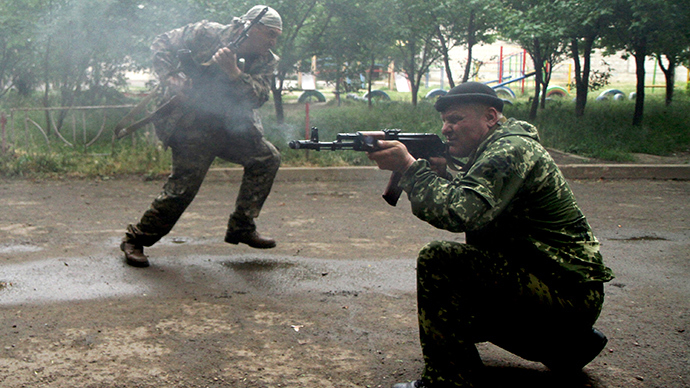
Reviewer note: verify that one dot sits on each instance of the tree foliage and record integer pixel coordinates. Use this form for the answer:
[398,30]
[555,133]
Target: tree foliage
[417,48]
[671,45]
[356,44]
[304,24]
[589,19]
[465,23]
[535,26]
[637,28]
[78,51]
[16,45]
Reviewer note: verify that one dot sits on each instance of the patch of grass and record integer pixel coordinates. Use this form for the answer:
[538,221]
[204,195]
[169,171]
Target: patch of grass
[605,132]
[143,159]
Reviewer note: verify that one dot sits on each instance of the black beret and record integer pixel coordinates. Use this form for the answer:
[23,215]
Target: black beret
[467,93]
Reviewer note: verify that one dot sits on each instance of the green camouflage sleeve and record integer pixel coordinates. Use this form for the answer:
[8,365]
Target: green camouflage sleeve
[443,203]
[474,198]
[203,39]
[256,79]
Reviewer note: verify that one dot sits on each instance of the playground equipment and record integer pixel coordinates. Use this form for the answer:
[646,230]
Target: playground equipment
[511,68]
[505,93]
[311,96]
[307,82]
[611,94]
[556,91]
[376,96]
[323,67]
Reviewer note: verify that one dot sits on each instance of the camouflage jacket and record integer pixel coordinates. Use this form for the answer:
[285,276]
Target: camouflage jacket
[511,197]
[215,93]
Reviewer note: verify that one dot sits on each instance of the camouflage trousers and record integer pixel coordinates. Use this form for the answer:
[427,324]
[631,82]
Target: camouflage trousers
[467,295]
[193,151]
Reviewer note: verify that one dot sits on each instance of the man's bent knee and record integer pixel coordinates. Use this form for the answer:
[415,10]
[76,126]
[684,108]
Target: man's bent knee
[445,249]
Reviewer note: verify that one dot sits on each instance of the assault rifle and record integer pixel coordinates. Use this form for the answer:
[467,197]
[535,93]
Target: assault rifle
[191,69]
[420,145]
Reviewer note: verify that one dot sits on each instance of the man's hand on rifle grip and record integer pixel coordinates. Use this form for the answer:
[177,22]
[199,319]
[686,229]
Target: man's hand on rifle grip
[391,155]
[227,61]
[439,166]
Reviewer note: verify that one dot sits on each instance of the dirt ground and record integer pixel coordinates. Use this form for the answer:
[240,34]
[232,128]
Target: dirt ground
[333,305]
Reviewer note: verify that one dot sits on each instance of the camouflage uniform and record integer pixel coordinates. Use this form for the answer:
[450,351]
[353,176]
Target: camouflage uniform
[219,119]
[529,278]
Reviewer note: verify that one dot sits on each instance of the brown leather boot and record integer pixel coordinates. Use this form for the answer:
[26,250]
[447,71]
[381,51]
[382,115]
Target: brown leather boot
[134,254]
[251,238]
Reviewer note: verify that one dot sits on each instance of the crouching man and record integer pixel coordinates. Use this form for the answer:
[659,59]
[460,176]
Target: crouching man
[529,278]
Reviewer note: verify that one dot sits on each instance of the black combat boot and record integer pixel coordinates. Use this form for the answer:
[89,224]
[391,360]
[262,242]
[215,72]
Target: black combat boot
[584,349]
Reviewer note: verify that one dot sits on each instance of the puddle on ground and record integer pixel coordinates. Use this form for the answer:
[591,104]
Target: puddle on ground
[641,238]
[258,265]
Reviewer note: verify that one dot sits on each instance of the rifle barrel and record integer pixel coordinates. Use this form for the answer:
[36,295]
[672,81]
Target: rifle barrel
[312,145]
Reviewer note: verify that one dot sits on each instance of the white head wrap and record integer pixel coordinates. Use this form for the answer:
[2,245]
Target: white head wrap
[270,19]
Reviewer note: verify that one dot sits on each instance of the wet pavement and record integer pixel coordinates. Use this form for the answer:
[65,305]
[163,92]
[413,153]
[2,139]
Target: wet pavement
[332,305]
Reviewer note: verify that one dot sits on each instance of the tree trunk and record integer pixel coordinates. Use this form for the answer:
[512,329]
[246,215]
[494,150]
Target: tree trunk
[468,66]
[446,57]
[337,88]
[669,75]
[670,82]
[46,82]
[278,100]
[470,43]
[582,73]
[545,84]
[411,71]
[579,99]
[371,77]
[640,54]
[449,74]
[535,98]
[415,90]
[538,77]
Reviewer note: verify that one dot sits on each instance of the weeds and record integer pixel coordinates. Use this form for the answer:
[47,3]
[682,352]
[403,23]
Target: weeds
[605,132]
